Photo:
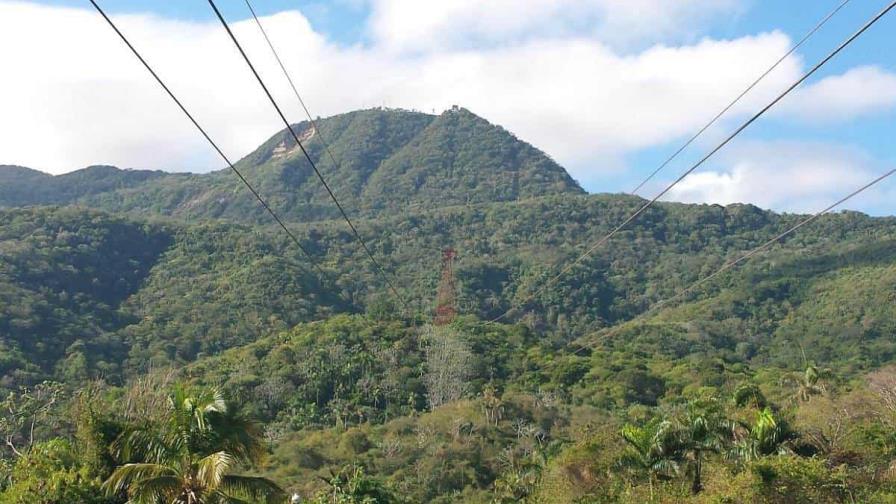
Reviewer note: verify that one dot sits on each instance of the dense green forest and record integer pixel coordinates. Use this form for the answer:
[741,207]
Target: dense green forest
[170,340]
[388,161]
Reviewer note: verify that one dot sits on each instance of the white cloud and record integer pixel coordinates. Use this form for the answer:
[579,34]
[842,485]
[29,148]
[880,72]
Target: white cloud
[859,91]
[412,25]
[581,101]
[78,97]
[790,176]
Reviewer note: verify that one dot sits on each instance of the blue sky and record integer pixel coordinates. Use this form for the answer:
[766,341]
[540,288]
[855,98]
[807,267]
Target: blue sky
[614,88]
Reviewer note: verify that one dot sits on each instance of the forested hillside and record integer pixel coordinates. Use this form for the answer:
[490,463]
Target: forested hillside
[770,384]
[23,186]
[388,161]
[169,292]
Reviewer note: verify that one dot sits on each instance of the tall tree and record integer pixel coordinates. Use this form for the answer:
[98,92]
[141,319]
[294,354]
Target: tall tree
[653,449]
[704,429]
[188,456]
[768,435]
[809,382]
[449,364]
[23,411]
[749,394]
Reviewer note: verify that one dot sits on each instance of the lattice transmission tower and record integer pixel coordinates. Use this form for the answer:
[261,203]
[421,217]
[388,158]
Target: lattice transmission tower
[446,298]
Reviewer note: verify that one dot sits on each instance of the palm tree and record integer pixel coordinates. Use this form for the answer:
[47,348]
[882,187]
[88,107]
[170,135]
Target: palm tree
[748,394]
[353,485]
[809,382]
[768,435]
[187,458]
[653,448]
[704,429]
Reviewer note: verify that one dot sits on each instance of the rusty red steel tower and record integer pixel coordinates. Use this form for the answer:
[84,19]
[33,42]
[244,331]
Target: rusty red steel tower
[446,298]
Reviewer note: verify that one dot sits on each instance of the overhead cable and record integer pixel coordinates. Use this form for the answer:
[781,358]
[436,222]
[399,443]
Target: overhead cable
[743,93]
[320,176]
[874,19]
[214,145]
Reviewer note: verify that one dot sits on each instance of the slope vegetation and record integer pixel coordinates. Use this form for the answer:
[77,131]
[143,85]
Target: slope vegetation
[388,160]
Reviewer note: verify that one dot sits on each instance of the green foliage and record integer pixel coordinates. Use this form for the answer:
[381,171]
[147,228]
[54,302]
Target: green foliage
[188,458]
[794,479]
[653,450]
[194,277]
[64,274]
[388,160]
[22,186]
[113,294]
[767,435]
[52,473]
[587,470]
[349,370]
[27,414]
[352,485]
[749,394]
[703,430]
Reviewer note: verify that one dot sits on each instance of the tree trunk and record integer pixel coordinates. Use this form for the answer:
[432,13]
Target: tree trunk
[697,484]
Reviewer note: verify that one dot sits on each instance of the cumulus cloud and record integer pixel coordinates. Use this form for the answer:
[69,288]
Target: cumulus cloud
[79,97]
[411,25]
[73,95]
[792,176]
[859,91]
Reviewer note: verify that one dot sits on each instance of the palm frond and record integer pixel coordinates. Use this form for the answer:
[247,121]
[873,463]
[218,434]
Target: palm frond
[157,490]
[238,436]
[253,488]
[666,468]
[203,439]
[635,436]
[145,443]
[210,469]
[224,498]
[125,476]
[749,394]
[627,460]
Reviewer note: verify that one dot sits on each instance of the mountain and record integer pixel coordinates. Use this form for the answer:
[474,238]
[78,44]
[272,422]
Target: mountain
[135,291]
[125,285]
[128,287]
[183,272]
[23,186]
[388,161]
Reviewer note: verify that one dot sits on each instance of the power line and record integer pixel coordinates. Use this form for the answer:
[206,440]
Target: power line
[731,264]
[207,137]
[769,243]
[292,85]
[699,163]
[295,136]
[319,133]
[742,94]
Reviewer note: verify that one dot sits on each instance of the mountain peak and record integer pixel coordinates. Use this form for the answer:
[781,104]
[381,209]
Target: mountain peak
[387,160]
[460,157]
